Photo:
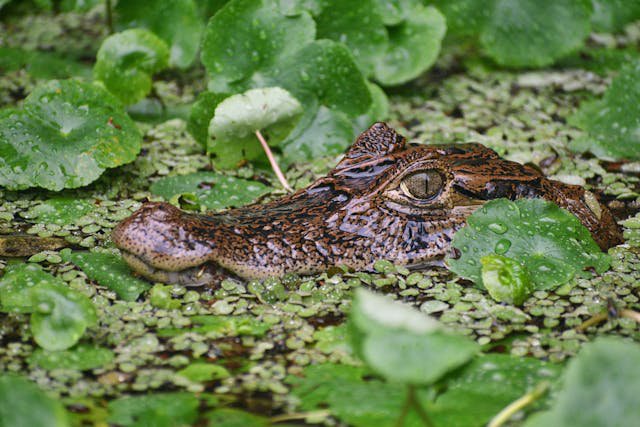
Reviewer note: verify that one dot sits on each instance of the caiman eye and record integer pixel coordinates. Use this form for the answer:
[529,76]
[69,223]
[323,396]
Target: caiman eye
[422,185]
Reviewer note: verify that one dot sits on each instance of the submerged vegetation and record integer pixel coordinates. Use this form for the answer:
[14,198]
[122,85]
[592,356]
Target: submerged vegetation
[108,104]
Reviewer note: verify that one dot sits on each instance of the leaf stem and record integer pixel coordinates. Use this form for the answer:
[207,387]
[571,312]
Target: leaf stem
[519,404]
[630,314]
[593,320]
[298,416]
[109,8]
[272,160]
[412,402]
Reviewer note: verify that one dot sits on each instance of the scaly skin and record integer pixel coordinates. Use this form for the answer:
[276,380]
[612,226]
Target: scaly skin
[354,216]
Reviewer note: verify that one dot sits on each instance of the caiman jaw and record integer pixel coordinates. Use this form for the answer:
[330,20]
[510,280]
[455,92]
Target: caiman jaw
[193,276]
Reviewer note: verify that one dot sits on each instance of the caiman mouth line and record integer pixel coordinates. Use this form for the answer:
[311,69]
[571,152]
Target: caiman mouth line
[193,276]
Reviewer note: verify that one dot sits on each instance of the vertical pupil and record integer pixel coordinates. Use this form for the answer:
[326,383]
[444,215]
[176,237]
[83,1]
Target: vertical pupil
[423,185]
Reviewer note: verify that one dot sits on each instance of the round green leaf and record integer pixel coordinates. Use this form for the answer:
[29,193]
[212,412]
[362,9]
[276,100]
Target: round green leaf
[158,410]
[247,37]
[506,280]
[356,24]
[23,404]
[202,112]
[203,372]
[612,15]
[273,111]
[16,285]
[67,134]
[212,190]
[464,17]
[525,33]
[413,46]
[177,22]
[109,271]
[402,344]
[613,122]
[81,357]
[229,417]
[60,210]
[321,132]
[60,316]
[600,387]
[127,60]
[548,241]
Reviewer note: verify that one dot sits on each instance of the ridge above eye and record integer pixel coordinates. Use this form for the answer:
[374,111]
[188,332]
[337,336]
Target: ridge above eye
[423,184]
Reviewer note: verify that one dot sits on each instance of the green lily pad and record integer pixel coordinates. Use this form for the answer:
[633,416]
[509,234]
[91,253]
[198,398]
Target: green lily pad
[202,112]
[211,190]
[506,280]
[402,344]
[60,210]
[177,22]
[414,45]
[60,316]
[600,387]
[272,111]
[524,33]
[81,357]
[229,417]
[110,271]
[222,326]
[23,404]
[66,136]
[613,122]
[17,283]
[126,62]
[235,53]
[42,65]
[548,241]
[612,15]
[356,24]
[204,372]
[158,410]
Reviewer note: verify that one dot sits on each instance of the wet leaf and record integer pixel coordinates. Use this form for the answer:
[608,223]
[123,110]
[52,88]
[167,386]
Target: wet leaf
[212,190]
[414,45]
[222,326]
[548,241]
[401,344]
[16,285]
[110,271]
[201,114]
[126,62]
[66,136]
[235,53]
[177,22]
[505,279]
[158,410]
[229,417]
[600,387]
[613,122]
[42,65]
[613,15]
[272,111]
[23,404]
[60,316]
[82,357]
[203,372]
[60,210]
[356,24]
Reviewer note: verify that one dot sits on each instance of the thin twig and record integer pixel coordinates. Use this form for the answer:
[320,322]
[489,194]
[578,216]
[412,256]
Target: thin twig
[630,314]
[405,411]
[272,160]
[519,404]
[593,320]
[298,416]
[109,8]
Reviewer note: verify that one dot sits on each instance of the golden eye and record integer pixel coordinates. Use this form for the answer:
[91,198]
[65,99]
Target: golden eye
[422,185]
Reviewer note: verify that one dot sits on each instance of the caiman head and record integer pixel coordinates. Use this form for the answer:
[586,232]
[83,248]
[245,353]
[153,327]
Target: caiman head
[385,200]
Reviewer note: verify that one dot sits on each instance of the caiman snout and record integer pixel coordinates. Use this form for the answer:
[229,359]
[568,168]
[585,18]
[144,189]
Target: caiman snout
[163,243]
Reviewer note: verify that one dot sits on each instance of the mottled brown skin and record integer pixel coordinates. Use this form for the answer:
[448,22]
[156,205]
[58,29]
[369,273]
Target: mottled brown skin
[357,214]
